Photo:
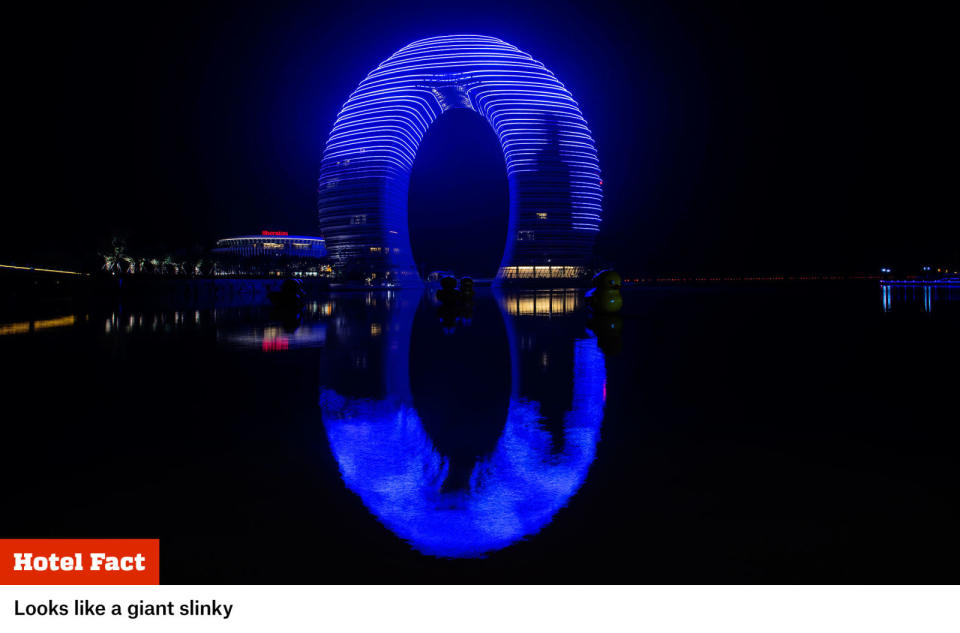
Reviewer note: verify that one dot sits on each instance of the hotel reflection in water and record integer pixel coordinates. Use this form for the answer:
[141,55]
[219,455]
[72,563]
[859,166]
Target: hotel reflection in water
[548,437]
[542,445]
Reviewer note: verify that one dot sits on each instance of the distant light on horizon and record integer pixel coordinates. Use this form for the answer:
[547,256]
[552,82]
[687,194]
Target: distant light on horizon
[42,270]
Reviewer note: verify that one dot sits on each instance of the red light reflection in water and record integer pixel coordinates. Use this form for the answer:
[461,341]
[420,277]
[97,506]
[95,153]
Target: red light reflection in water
[275,344]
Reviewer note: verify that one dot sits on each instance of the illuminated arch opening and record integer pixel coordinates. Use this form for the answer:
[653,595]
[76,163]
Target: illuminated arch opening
[460,167]
[551,161]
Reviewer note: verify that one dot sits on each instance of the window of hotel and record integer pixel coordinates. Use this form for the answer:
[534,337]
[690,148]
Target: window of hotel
[358,219]
[524,236]
[541,215]
[536,272]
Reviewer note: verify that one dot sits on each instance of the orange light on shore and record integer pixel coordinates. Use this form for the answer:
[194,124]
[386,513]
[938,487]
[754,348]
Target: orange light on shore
[42,270]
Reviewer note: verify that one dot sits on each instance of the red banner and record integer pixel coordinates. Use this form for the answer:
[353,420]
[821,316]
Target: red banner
[80,561]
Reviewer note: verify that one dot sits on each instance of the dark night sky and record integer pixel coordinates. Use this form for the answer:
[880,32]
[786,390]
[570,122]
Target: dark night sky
[732,138]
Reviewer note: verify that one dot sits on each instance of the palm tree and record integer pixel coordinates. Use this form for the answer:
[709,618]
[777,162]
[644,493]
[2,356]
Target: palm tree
[162,263]
[114,259]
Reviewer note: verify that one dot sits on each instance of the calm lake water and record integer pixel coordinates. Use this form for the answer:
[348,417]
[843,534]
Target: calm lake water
[792,433]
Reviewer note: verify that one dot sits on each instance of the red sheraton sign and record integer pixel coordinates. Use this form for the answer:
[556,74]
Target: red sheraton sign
[274,233]
[79,561]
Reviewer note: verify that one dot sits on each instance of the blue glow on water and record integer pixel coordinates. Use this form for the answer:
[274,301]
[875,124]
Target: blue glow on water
[386,457]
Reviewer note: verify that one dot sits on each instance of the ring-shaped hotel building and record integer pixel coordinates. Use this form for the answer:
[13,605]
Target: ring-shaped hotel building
[551,160]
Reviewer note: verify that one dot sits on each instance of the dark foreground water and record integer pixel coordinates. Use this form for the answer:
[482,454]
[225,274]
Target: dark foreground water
[795,433]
